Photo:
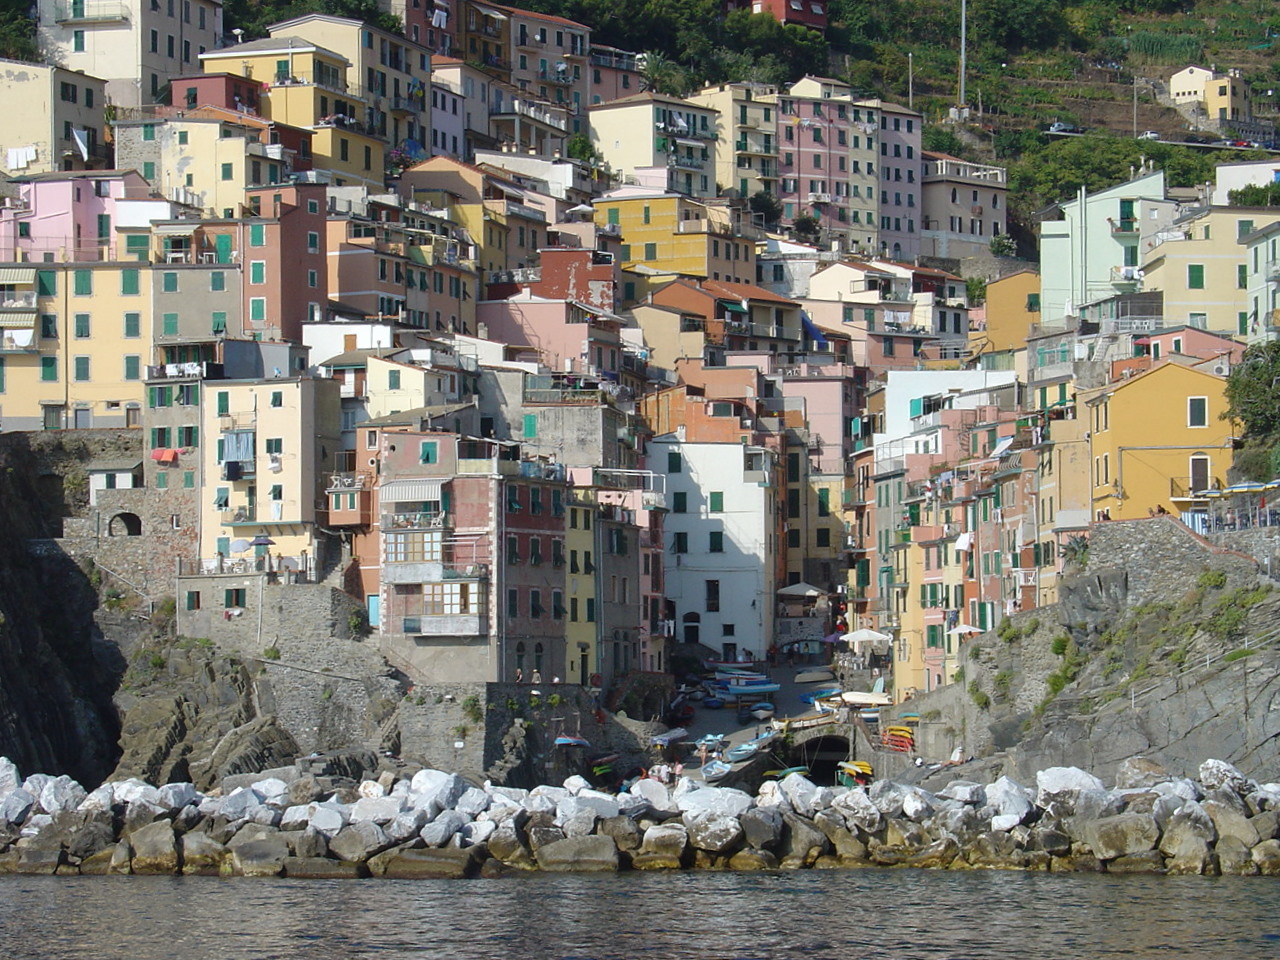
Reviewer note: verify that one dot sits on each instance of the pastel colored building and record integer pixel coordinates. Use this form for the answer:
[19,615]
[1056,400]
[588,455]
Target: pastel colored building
[675,154]
[614,73]
[60,124]
[136,46]
[549,62]
[746,147]
[901,182]
[804,13]
[965,206]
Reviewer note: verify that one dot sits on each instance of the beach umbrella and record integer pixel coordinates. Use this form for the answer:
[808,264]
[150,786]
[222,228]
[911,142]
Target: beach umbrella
[1248,486]
[239,546]
[262,540]
[963,629]
[864,635]
[801,590]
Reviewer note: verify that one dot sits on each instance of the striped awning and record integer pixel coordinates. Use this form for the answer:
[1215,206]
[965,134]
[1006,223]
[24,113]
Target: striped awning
[17,319]
[420,490]
[18,276]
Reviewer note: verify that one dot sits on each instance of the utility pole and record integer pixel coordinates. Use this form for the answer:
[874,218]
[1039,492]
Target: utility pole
[911,81]
[1135,105]
[964,51]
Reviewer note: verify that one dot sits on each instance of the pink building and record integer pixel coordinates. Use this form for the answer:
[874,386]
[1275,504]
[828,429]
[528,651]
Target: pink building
[564,335]
[614,73]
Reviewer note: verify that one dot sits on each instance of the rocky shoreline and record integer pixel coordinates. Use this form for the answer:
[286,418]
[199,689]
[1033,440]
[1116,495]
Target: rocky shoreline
[312,820]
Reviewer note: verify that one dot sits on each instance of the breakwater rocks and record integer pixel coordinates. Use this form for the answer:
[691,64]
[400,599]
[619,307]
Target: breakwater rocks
[435,824]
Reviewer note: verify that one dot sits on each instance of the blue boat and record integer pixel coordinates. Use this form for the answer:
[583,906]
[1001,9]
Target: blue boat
[571,742]
[822,694]
[762,710]
[713,703]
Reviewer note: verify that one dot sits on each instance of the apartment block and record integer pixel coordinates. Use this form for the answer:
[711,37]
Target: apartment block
[60,124]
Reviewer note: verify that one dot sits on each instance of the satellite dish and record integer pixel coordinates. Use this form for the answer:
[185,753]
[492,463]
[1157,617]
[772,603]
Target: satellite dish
[239,546]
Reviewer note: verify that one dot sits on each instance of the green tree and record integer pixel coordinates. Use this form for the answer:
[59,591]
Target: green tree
[767,205]
[1255,195]
[580,147]
[941,140]
[1003,246]
[806,227]
[1253,391]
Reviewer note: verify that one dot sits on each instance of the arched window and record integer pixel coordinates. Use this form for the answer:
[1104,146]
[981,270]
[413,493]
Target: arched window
[125,525]
[537,657]
[691,621]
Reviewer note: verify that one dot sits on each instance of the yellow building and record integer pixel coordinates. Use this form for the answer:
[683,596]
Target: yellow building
[746,146]
[1013,305]
[393,70]
[393,386]
[1202,271]
[271,442]
[583,618]
[1228,97]
[75,340]
[663,143]
[317,89]
[59,126]
[667,233]
[1155,439]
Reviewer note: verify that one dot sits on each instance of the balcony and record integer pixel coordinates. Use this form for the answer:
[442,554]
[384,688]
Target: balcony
[692,163]
[203,370]
[21,300]
[1126,227]
[238,516]
[282,568]
[1184,488]
[415,520]
[329,81]
[1127,277]
[527,41]
[87,11]
[758,149]
[561,78]
[351,390]
[14,345]
[431,571]
[819,198]
[405,105]
[513,208]
[530,111]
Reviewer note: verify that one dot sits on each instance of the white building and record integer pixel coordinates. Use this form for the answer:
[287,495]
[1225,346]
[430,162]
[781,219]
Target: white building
[720,543]
[134,45]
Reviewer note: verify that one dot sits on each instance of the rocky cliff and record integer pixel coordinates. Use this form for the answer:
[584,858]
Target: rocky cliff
[56,673]
[1162,646]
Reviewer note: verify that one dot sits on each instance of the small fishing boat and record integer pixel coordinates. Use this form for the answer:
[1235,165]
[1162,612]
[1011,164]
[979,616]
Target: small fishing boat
[765,738]
[805,722]
[743,751]
[740,676]
[855,766]
[822,675]
[715,770]
[762,710]
[668,738]
[712,741]
[713,703]
[571,742]
[823,694]
[752,689]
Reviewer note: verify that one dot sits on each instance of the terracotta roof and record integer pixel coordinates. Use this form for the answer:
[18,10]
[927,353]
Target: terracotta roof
[744,291]
[539,16]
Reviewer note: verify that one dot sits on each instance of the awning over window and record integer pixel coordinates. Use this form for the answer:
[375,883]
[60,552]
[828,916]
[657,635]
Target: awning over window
[420,490]
[733,306]
[19,276]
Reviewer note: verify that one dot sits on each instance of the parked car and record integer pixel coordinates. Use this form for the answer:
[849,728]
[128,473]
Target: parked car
[1200,138]
[1058,126]
[1149,135]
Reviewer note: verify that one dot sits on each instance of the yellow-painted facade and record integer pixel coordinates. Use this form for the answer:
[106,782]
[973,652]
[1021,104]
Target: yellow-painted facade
[580,586]
[1013,305]
[670,233]
[264,447]
[75,345]
[1155,439]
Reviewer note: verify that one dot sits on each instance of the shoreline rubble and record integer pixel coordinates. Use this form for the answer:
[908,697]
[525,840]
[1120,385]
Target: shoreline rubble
[294,823]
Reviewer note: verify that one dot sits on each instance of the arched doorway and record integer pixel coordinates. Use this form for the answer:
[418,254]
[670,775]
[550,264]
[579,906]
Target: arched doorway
[125,525]
[691,622]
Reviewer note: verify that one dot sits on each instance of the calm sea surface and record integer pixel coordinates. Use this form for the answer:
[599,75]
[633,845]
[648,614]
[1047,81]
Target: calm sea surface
[842,915]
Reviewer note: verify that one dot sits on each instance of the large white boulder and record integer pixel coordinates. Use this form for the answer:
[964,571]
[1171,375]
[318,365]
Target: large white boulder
[61,793]
[656,795]
[1216,774]
[371,790]
[715,802]
[10,780]
[273,791]
[1009,798]
[473,802]
[328,817]
[134,791]
[381,810]
[175,796]
[858,810]
[577,784]
[800,792]
[1053,781]
[240,804]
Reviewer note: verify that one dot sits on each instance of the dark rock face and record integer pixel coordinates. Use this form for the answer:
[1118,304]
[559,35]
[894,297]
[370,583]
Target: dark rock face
[56,674]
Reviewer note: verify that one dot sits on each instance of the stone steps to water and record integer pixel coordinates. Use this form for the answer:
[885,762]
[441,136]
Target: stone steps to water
[298,824]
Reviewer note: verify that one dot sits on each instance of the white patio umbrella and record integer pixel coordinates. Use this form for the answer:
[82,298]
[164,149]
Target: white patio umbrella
[963,629]
[864,637]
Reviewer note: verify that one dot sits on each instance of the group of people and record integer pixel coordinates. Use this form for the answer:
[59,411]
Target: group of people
[535,677]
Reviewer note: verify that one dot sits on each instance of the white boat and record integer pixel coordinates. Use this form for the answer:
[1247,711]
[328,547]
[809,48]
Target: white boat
[762,710]
[822,675]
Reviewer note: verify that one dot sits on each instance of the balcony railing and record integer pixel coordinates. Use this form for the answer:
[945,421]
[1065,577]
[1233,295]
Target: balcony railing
[285,569]
[561,78]
[18,300]
[415,520]
[1185,487]
[91,12]
[10,345]
[406,104]
[1123,227]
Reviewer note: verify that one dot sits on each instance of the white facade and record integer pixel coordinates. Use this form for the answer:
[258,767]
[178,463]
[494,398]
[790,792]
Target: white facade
[1187,86]
[1233,176]
[963,390]
[723,598]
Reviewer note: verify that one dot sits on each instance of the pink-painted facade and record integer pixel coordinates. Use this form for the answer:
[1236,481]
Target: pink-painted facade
[567,337]
[614,73]
[74,216]
[805,13]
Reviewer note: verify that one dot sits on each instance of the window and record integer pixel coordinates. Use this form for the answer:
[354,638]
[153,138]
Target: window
[651,251]
[713,596]
[258,308]
[49,369]
[77,41]
[679,502]
[257,235]
[680,543]
[715,542]
[1195,276]
[82,326]
[169,325]
[1197,411]
[132,367]
[82,368]
[83,280]
[169,282]
[673,461]
[393,379]
[274,445]
[530,424]
[716,501]
[257,271]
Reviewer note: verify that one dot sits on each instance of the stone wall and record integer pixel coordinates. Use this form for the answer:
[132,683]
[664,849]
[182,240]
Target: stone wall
[270,611]
[1153,550]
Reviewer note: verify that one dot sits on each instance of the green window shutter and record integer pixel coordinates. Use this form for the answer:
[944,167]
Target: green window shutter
[193,600]
[148,170]
[591,609]
[1195,276]
[716,542]
[716,499]
[393,379]
[917,406]
[169,325]
[228,171]
[217,281]
[170,282]
[148,131]
[258,308]
[129,280]
[429,452]
[2,374]
[133,324]
[625,252]
[651,251]
[131,368]
[46,283]
[613,216]
[189,479]
[257,234]
[673,461]
[219,321]
[83,283]
[530,426]
[1242,323]
[82,325]
[82,368]
[137,247]
[162,481]
[258,271]
[1242,276]
[224,404]
[679,502]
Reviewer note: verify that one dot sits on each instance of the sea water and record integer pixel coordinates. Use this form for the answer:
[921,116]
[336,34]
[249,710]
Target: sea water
[837,914]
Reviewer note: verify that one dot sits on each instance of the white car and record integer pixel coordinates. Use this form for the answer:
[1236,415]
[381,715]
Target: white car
[1149,135]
